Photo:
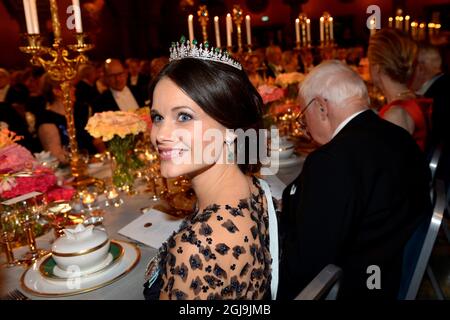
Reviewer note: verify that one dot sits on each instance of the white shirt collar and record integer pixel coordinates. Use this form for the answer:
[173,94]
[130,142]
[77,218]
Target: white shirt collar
[344,123]
[428,84]
[125,99]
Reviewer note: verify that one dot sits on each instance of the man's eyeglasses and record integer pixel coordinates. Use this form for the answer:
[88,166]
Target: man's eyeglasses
[301,116]
[116,75]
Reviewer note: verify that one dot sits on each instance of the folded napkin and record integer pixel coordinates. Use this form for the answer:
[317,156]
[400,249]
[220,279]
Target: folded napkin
[44,156]
[151,228]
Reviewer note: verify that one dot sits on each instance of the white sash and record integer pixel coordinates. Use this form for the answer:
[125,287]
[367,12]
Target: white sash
[273,234]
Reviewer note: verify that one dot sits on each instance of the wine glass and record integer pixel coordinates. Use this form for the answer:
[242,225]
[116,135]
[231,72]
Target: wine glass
[30,210]
[56,215]
[8,235]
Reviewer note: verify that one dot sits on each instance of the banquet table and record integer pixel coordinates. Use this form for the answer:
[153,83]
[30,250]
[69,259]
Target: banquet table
[130,286]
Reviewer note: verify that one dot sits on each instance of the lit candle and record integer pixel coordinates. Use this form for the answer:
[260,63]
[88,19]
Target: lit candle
[191,28]
[229,29]
[303,34]
[407,24]
[77,14]
[217,30]
[308,30]
[248,29]
[331,28]
[437,27]
[414,30]
[390,22]
[88,198]
[28,18]
[297,30]
[34,16]
[400,19]
[397,22]
[112,194]
[422,31]
[321,28]
[430,29]
[372,26]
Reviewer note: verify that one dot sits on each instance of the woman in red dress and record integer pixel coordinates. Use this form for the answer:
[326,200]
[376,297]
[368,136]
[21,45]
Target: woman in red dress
[391,57]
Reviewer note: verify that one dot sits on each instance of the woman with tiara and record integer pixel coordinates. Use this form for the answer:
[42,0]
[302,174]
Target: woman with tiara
[223,250]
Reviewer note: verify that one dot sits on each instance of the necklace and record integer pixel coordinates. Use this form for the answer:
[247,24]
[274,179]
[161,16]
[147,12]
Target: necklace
[405,93]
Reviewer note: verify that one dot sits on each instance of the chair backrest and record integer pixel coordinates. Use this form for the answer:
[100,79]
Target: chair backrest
[418,249]
[434,161]
[326,284]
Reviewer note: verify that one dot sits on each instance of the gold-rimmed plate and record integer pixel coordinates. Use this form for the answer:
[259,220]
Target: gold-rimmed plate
[47,267]
[35,283]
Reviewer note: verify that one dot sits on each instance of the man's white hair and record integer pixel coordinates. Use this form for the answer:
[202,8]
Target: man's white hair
[334,81]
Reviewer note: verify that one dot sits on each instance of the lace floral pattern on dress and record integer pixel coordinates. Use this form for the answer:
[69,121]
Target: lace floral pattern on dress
[219,253]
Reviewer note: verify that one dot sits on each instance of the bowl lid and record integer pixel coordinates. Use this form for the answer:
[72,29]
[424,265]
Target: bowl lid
[79,239]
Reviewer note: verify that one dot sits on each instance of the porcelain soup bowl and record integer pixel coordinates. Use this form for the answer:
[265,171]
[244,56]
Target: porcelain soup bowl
[82,247]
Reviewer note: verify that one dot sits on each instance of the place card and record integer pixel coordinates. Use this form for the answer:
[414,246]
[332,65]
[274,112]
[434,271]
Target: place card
[21,198]
[152,228]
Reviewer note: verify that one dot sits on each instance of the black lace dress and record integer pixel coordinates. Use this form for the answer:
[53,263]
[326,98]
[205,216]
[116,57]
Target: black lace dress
[219,253]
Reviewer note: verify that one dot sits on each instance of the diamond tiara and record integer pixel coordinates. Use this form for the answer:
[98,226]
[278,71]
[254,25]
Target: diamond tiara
[184,49]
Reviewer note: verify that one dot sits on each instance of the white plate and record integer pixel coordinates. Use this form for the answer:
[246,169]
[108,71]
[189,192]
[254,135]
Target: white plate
[66,274]
[289,162]
[33,282]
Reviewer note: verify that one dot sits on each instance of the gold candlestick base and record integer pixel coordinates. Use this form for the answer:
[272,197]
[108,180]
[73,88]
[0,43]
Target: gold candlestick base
[7,242]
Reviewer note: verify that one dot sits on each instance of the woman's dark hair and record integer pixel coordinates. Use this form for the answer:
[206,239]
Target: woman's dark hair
[225,93]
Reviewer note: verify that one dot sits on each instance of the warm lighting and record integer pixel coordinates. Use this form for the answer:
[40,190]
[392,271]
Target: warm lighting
[229,30]
[321,29]
[217,31]
[248,29]
[191,27]
[77,15]
[112,194]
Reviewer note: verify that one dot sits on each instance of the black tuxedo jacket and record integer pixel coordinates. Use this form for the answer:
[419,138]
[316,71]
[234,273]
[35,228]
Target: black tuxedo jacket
[355,204]
[438,91]
[140,90]
[85,93]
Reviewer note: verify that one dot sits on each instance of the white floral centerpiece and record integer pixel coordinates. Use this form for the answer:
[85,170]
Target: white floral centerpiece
[119,130]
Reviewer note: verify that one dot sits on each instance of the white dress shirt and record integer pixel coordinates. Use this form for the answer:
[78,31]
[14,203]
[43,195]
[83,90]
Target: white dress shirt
[344,123]
[125,99]
[134,80]
[428,84]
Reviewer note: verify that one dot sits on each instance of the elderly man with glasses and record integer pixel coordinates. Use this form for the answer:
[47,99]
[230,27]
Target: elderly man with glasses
[119,96]
[360,195]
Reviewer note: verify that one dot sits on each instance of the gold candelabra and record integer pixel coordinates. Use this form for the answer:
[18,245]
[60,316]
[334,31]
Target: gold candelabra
[326,30]
[61,63]
[203,18]
[237,18]
[303,31]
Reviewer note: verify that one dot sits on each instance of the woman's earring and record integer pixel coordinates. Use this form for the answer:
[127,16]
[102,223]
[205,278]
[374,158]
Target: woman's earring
[230,151]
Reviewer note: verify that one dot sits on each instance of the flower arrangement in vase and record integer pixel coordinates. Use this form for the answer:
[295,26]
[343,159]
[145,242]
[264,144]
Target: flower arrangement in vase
[119,129]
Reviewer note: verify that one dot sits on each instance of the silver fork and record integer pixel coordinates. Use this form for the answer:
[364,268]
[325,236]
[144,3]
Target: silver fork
[17,295]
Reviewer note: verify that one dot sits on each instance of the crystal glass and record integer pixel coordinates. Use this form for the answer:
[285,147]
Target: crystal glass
[8,235]
[30,212]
